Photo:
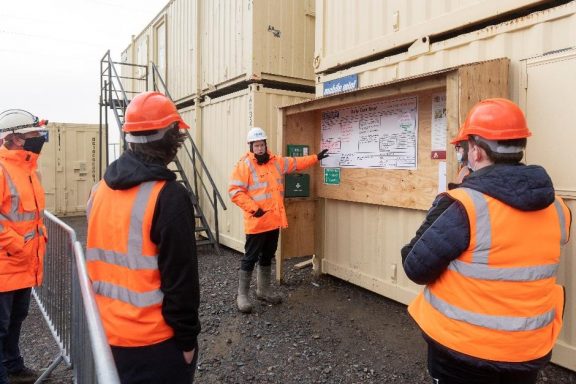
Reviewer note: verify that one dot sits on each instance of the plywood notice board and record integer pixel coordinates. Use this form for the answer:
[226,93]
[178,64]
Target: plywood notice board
[298,239]
[415,188]
[407,188]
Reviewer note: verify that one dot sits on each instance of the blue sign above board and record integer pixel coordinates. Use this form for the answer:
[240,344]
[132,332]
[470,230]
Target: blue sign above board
[340,85]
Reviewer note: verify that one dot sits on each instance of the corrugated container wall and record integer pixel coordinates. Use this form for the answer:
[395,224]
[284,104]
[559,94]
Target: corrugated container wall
[239,40]
[134,78]
[189,116]
[225,123]
[374,236]
[257,39]
[69,166]
[547,31]
[169,41]
[126,71]
[389,24]
[180,53]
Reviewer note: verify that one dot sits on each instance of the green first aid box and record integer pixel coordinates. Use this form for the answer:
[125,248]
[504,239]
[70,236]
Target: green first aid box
[297,185]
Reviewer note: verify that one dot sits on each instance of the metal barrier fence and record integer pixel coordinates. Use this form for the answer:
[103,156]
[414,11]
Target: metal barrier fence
[67,303]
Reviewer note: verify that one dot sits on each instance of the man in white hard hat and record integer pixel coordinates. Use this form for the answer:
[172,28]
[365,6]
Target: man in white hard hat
[257,187]
[22,234]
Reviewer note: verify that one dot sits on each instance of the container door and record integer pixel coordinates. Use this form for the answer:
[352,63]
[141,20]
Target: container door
[160,53]
[550,108]
[47,167]
[547,97]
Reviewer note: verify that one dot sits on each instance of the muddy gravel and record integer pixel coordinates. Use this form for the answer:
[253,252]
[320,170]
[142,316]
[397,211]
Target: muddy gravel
[325,331]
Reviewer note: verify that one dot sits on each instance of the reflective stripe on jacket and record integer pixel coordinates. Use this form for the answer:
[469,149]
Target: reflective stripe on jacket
[22,232]
[254,186]
[122,264]
[499,300]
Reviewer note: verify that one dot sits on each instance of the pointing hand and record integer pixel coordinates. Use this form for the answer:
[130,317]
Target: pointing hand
[322,154]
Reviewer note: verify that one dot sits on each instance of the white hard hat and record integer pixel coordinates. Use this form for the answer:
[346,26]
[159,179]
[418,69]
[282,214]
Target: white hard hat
[19,121]
[256,134]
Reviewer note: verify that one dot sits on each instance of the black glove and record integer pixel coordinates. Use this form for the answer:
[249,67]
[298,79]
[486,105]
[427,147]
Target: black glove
[322,154]
[259,213]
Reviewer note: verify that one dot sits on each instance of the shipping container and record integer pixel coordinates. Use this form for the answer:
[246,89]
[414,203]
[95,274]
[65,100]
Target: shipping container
[351,31]
[225,122]
[547,86]
[356,229]
[530,36]
[231,41]
[257,40]
[69,166]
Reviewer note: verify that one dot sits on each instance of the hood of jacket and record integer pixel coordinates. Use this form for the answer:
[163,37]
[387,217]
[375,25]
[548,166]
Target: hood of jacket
[130,170]
[524,187]
[21,158]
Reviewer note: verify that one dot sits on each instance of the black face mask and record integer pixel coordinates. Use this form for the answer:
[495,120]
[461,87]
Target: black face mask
[34,144]
[262,159]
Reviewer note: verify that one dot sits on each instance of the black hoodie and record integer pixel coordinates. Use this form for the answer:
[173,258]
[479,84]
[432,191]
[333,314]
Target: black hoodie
[173,232]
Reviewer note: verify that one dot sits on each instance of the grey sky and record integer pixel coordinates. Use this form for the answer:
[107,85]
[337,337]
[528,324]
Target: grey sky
[50,52]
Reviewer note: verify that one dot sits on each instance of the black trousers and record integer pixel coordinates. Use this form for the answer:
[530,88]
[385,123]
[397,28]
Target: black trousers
[445,369]
[259,247]
[161,363]
[14,307]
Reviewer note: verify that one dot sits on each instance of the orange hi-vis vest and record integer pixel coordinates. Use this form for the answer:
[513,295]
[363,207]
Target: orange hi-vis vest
[122,263]
[499,300]
[22,232]
[254,186]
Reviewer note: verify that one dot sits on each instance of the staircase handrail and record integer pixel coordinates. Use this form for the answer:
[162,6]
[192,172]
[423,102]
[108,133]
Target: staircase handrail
[156,72]
[111,88]
[111,66]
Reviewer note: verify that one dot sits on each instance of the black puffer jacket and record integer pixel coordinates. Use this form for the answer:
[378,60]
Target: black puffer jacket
[445,233]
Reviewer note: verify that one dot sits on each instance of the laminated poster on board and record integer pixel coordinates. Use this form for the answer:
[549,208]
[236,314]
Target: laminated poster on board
[439,127]
[377,135]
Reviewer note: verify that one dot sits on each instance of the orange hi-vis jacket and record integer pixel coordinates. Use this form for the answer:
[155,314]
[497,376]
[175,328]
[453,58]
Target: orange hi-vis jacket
[254,186]
[122,264]
[22,231]
[499,300]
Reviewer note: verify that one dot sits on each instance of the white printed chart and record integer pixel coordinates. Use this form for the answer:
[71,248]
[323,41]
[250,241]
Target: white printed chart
[378,135]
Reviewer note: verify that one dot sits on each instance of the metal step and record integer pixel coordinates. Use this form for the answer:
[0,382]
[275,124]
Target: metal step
[118,103]
[204,242]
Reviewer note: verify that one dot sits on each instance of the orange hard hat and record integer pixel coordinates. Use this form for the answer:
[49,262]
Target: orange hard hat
[496,119]
[150,111]
[459,137]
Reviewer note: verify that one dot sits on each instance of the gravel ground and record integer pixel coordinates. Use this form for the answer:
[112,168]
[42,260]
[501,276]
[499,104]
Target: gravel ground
[326,331]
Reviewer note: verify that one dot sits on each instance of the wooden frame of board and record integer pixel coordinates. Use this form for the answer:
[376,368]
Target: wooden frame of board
[409,189]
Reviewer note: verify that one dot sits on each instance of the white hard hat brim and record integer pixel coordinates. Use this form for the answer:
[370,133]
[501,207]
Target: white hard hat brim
[23,130]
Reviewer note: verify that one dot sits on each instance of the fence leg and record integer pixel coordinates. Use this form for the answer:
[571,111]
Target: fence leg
[49,370]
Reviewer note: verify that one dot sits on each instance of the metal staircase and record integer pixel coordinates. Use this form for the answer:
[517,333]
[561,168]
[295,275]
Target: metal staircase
[115,97]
